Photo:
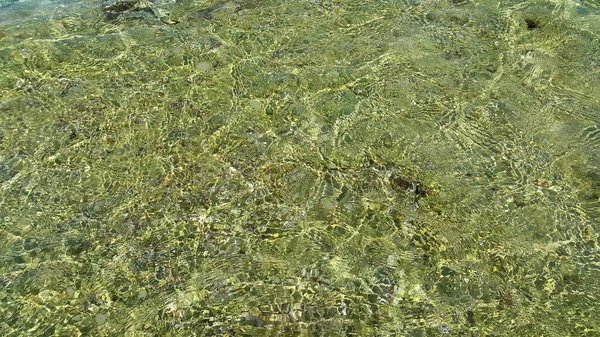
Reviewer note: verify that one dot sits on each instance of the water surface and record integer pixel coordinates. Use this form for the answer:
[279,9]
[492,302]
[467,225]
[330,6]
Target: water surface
[299,168]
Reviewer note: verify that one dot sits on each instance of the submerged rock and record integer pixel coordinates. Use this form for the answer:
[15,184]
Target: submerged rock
[157,7]
[418,188]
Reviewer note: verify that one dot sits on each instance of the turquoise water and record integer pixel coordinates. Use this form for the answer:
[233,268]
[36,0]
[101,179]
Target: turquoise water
[299,168]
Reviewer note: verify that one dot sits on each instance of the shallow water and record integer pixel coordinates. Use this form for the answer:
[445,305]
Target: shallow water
[287,168]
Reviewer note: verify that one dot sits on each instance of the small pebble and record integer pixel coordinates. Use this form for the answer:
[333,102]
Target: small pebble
[101,318]
[204,66]
[255,104]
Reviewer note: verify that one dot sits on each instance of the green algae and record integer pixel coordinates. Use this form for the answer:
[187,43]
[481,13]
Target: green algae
[237,173]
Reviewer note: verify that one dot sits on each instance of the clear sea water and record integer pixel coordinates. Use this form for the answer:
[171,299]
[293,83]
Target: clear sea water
[299,168]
